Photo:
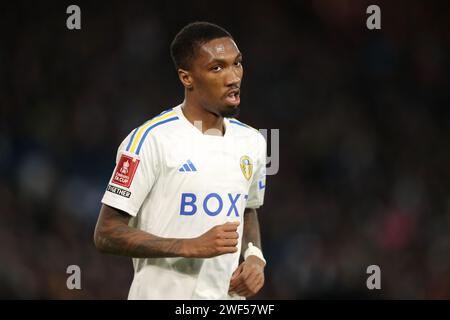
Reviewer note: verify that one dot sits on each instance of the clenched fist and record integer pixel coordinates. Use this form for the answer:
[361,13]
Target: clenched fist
[216,241]
[248,278]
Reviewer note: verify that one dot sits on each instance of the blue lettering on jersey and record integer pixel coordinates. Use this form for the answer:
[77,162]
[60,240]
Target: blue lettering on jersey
[205,204]
[261,185]
[189,207]
[233,204]
[190,203]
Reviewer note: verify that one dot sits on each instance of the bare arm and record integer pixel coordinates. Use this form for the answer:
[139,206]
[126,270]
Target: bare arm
[251,229]
[248,278]
[113,235]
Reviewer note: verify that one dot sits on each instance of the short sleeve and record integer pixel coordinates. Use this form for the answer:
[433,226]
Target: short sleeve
[133,177]
[258,186]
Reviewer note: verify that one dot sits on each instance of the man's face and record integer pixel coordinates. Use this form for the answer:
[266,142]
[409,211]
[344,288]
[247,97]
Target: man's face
[217,74]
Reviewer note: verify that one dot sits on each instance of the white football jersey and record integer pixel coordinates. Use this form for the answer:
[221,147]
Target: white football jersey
[177,182]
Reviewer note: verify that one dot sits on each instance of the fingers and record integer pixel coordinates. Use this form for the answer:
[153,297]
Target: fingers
[248,289]
[242,288]
[227,230]
[239,280]
[235,276]
[227,242]
[260,284]
[230,226]
[247,283]
[228,235]
[234,281]
[231,235]
[221,239]
[224,250]
[227,245]
[237,271]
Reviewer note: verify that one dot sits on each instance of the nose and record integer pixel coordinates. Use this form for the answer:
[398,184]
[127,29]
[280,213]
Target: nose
[233,77]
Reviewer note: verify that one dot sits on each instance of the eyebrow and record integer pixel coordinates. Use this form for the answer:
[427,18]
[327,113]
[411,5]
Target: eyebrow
[216,60]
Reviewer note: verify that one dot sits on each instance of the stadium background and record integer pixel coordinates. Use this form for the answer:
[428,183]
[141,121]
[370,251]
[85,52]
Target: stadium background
[363,118]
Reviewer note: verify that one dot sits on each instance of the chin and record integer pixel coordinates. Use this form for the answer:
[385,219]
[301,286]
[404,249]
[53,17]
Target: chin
[230,111]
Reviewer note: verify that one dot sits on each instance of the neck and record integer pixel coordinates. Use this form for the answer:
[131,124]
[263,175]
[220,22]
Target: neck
[204,120]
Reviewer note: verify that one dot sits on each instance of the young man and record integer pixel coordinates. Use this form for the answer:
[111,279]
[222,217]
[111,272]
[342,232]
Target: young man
[182,199]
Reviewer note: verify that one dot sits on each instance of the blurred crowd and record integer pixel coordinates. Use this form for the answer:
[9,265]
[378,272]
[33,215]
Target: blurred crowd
[364,139]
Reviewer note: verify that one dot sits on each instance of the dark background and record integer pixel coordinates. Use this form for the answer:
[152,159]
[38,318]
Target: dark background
[364,131]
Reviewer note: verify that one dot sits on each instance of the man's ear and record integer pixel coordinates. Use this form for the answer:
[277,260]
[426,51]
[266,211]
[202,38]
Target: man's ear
[185,78]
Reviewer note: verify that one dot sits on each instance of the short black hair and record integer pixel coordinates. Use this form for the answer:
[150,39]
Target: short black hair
[192,36]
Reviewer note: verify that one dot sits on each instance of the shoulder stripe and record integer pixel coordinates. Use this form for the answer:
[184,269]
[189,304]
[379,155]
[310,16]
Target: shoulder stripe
[239,123]
[164,112]
[141,132]
[150,128]
[234,121]
[132,138]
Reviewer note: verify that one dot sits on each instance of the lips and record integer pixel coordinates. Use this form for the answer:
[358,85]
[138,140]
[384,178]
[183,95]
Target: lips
[233,97]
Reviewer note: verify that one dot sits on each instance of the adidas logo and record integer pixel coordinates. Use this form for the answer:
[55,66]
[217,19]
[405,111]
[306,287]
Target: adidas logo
[187,167]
